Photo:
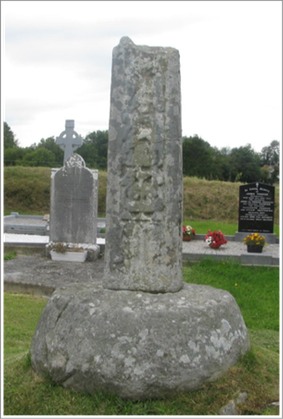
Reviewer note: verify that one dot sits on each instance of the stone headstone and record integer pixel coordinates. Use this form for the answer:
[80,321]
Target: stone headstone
[73,213]
[144,196]
[69,140]
[256,208]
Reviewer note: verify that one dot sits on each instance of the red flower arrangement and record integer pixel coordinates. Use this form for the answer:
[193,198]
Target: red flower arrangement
[215,239]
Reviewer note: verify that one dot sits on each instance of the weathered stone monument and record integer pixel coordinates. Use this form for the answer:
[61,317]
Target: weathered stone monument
[73,209]
[74,202]
[144,196]
[256,210]
[144,334]
[69,140]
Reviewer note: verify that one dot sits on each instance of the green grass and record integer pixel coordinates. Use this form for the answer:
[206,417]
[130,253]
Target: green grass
[228,228]
[256,290]
[9,255]
[202,226]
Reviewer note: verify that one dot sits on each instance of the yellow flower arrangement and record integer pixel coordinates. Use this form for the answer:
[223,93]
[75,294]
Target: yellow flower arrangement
[254,239]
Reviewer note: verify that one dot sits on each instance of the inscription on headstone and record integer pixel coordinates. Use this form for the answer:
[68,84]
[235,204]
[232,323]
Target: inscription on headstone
[69,140]
[73,217]
[256,208]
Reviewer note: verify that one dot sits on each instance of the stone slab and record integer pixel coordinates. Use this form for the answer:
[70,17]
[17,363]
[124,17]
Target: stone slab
[36,224]
[26,224]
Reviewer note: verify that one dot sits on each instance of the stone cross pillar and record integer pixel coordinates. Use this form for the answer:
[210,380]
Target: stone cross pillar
[69,140]
[144,195]
[147,341]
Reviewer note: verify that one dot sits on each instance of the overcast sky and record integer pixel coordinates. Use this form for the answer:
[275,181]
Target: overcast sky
[56,65]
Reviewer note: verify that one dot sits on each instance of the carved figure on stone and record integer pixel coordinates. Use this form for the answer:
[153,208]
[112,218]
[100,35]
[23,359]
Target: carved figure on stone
[144,197]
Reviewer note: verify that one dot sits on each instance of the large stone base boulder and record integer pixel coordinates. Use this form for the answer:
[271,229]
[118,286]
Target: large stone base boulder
[138,345]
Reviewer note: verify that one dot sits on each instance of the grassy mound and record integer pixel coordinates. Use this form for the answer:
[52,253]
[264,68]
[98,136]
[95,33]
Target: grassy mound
[27,191]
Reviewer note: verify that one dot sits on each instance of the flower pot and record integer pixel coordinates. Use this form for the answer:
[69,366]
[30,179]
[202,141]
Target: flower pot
[254,249]
[69,256]
[187,238]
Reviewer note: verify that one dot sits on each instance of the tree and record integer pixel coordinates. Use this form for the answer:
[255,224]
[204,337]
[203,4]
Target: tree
[13,156]
[270,158]
[9,137]
[58,153]
[244,165]
[12,152]
[200,159]
[39,157]
[94,149]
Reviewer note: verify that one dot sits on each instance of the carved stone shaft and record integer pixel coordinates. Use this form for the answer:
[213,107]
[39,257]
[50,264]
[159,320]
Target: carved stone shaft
[144,194]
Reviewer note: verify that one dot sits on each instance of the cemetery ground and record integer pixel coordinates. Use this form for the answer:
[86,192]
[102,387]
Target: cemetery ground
[207,205]
[256,290]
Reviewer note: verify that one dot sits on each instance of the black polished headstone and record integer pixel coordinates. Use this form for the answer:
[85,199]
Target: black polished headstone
[256,208]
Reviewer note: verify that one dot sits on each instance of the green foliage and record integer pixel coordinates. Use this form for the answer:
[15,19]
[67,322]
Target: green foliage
[40,157]
[9,137]
[270,158]
[94,150]
[46,154]
[199,158]
[244,165]
[13,156]
[50,145]
[239,164]
[12,153]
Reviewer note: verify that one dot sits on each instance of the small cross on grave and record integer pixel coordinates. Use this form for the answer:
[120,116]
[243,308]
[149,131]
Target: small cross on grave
[69,140]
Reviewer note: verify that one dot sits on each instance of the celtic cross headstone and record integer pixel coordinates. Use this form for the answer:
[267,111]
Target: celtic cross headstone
[69,140]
